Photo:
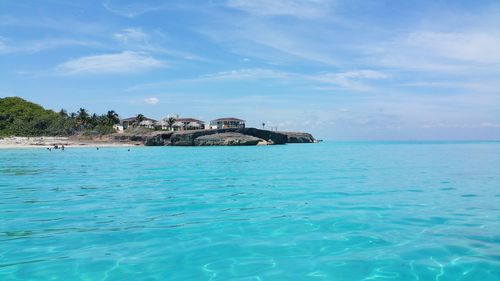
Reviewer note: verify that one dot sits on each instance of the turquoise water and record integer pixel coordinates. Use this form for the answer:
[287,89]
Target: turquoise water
[329,211]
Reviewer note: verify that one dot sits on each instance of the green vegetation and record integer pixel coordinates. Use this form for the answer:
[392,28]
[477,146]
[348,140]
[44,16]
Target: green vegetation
[19,117]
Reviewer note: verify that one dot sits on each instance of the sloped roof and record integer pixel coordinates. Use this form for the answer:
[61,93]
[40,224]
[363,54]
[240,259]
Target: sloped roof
[228,119]
[194,124]
[188,120]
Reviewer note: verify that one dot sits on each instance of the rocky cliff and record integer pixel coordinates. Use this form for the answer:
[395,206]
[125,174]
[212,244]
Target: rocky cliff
[296,137]
[236,136]
[226,139]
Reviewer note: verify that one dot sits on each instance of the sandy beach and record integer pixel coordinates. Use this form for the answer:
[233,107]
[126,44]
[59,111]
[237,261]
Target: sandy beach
[44,142]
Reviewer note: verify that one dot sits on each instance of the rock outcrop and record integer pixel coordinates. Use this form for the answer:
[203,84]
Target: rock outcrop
[296,137]
[269,136]
[232,136]
[129,138]
[226,139]
[187,138]
[158,139]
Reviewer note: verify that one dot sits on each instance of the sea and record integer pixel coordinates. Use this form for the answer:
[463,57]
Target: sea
[339,211]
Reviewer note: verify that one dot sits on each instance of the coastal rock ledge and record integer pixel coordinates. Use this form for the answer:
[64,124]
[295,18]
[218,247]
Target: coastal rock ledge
[227,139]
[219,137]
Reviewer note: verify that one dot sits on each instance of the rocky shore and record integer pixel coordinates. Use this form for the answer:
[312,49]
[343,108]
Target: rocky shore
[219,137]
[224,137]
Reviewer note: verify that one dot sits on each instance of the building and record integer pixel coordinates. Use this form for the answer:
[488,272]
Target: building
[223,123]
[148,123]
[118,128]
[182,124]
[131,121]
[162,125]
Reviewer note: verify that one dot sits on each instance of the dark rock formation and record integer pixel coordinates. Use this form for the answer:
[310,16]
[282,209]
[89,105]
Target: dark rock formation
[129,138]
[270,136]
[150,139]
[296,137]
[186,138]
[158,139]
[233,136]
[226,139]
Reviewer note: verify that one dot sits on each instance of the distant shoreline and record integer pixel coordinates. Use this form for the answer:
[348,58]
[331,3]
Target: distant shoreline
[215,137]
[50,142]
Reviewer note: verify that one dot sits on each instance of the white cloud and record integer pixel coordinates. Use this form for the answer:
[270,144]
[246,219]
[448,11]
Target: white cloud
[476,47]
[273,41]
[35,46]
[131,9]
[352,80]
[131,35]
[461,125]
[152,100]
[40,45]
[124,62]
[246,74]
[486,85]
[310,9]
[490,125]
[154,42]
[439,51]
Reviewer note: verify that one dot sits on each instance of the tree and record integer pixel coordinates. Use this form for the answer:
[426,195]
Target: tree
[138,119]
[82,118]
[63,113]
[170,122]
[19,117]
[263,125]
[113,117]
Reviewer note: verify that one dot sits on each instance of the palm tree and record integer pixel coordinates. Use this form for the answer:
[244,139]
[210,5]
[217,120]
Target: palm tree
[93,120]
[82,114]
[113,117]
[263,125]
[63,113]
[138,119]
[82,117]
[170,122]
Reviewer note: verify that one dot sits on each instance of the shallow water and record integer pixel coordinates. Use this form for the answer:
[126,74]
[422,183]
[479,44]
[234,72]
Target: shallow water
[329,211]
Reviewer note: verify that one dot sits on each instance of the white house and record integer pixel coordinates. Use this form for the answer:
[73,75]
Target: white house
[229,122]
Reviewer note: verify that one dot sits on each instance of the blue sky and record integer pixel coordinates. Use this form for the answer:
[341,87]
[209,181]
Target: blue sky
[343,70]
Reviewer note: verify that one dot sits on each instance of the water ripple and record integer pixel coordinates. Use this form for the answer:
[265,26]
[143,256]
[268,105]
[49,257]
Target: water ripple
[332,211]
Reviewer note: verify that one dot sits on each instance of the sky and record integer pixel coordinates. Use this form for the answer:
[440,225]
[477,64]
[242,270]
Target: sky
[340,69]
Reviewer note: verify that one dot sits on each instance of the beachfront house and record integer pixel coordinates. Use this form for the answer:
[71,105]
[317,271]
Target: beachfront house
[118,127]
[133,122]
[182,124]
[230,122]
[149,123]
[163,125]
